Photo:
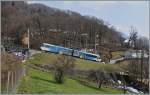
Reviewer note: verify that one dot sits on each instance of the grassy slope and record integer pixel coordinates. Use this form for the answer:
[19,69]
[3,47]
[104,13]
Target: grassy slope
[117,54]
[89,65]
[42,82]
[47,58]
[42,58]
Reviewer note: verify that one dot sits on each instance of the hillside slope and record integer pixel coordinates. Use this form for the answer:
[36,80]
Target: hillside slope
[41,82]
[55,26]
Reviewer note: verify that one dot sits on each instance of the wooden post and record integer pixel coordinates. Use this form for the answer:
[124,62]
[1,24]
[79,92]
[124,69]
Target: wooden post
[12,80]
[15,77]
[8,77]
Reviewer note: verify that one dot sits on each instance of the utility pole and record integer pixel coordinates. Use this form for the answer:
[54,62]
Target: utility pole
[96,36]
[86,43]
[95,44]
[28,53]
[28,39]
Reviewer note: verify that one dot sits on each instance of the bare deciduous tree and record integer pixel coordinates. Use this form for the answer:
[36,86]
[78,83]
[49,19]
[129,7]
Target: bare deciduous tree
[133,37]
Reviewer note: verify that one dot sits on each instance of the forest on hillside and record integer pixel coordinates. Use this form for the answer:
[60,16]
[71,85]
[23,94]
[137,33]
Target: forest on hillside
[55,26]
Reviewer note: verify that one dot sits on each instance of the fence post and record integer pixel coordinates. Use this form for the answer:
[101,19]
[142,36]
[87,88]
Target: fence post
[12,80]
[8,81]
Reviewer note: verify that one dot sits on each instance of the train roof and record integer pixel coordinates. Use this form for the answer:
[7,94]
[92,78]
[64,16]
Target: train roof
[48,44]
[56,45]
[72,49]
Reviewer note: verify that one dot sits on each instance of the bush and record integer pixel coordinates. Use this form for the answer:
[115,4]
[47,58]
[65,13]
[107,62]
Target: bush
[63,65]
[100,76]
[59,75]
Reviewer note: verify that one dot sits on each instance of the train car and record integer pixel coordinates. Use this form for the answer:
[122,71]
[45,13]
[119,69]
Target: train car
[87,56]
[92,57]
[70,52]
[65,51]
[77,53]
[56,49]
[49,48]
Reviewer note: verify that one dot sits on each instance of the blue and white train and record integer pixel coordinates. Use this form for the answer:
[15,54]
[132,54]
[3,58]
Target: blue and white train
[71,52]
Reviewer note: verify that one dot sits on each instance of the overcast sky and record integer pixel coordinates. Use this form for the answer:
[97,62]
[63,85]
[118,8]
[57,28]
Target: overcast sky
[121,14]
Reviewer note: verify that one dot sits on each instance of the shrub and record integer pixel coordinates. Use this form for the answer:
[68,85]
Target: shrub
[99,76]
[63,65]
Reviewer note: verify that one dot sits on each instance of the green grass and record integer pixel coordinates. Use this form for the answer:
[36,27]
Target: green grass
[42,82]
[42,58]
[80,64]
[117,54]
[37,81]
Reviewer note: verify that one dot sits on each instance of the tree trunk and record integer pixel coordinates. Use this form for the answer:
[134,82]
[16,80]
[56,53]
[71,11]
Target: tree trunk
[99,84]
